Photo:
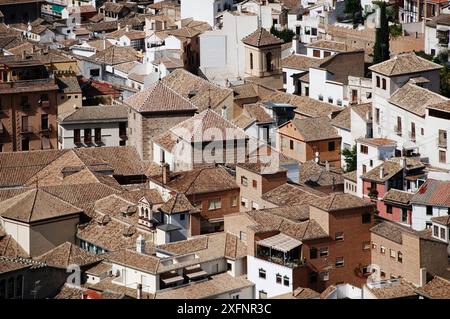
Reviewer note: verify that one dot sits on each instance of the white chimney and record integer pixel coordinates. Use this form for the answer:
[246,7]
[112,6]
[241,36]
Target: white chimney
[224,112]
[139,291]
[316,158]
[327,166]
[140,244]
[295,46]
[127,28]
[381,172]
[403,162]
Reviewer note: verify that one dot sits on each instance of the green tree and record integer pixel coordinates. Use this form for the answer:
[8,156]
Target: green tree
[350,158]
[445,78]
[381,48]
[286,34]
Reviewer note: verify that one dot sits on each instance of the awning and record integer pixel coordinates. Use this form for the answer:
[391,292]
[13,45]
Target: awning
[196,274]
[280,242]
[172,280]
[215,220]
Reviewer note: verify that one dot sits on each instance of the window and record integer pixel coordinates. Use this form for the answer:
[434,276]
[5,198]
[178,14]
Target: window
[244,181]
[87,136]
[278,279]
[366,245]
[422,131]
[255,206]
[413,130]
[404,215]
[262,273]
[378,81]
[325,275]
[244,202]
[76,136]
[383,81]
[312,277]
[364,168]
[400,257]
[339,102]
[428,225]
[262,294]
[312,253]
[389,209]
[339,236]
[326,54]
[286,280]
[234,201]
[374,245]
[251,61]
[214,204]
[377,115]
[442,233]
[182,216]
[284,78]
[19,285]
[330,100]
[229,266]
[323,252]
[382,249]
[331,146]
[398,129]
[269,66]
[44,121]
[366,218]
[291,144]
[25,144]
[243,236]
[98,135]
[429,210]
[235,296]
[316,53]
[364,149]
[339,262]
[94,72]
[371,163]
[10,288]
[392,253]
[320,97]
[442,157]
[254,184]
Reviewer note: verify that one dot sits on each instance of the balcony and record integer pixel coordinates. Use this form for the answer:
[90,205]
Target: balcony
[123,137]
[45,129]
[412,136]
[280,249]
[441,142]
[373,193]
[398,130]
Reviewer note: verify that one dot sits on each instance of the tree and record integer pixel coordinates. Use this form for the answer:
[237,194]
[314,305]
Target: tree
[445,78]
[286,34]
[350,158]
[381,48]
[352,7]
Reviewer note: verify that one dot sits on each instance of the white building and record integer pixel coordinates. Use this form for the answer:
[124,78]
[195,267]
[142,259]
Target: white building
[437,34]
[305,21]
[93,126]
[430,201]
[204,10]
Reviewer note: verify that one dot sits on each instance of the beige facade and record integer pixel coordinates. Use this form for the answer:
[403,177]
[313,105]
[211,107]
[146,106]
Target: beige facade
[263,61]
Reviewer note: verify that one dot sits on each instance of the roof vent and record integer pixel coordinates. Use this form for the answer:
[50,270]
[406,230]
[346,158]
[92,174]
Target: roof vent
[192,93]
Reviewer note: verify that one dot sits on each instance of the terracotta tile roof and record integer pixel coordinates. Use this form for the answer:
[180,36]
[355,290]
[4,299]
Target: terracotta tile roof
[68,84]
[245,91]
[351,176]
[69,292]
[444,106]
[300,62]
[177,204]
[185,32]
[200,92]
[186,246]
[217,285]
[261,168]
[376,141]
[196,128]
[159,98]
[415,99]
[327,292]
[394,291]
[288,194]
[299,293]
[234,247]
[110,290]
[314,174]
[202,180]
[343,119]
[114,55]
[9,247]
[100,269]
[169,62]
[340,201]
[331,45]
[441,19]
[404,63]
[265,221]
[96,114]
[243,121]
[394,232]
[11,264]
[260,38]
[315,129]
[257,112]
[398,196]
[312,108]
[437,288]
[36,205]
[433,192]
[390,168]
[443,220]
[68,254]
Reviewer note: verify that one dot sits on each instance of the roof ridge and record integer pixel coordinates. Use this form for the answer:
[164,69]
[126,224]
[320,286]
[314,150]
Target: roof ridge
[32,206]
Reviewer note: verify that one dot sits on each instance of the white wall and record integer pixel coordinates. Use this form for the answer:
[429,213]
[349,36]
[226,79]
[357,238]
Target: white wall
[203,10]
[420,217]
[132,277]
[110,134]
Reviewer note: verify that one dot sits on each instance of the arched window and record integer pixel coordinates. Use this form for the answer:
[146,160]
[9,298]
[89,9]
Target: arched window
[146,213]
[269,62]
[251,61]
[142,212]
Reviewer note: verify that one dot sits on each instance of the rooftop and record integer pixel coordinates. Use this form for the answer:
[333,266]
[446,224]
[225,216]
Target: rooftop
[433,192]
[67,254]
[405,63]
[96,114]
[315,129]
[340,201]
[260,38]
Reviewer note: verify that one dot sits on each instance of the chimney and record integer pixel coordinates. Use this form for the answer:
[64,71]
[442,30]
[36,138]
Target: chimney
[127,28]
[224,112]
[327,166]
[139,291]
[140,244]
[403,162]
[381,172]
[295,44]
[316,157]
[165,173]
[24,55]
